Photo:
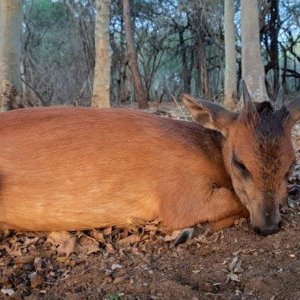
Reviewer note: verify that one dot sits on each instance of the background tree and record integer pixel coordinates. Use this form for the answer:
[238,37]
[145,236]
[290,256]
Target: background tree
[101,86]
[170,37]
[10,52]
[140,93]
[230,86]
[252,67]
[270,26]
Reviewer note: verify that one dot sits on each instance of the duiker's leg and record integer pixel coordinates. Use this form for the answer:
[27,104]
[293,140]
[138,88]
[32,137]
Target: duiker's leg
[225,209]
[218,204]
[229,221]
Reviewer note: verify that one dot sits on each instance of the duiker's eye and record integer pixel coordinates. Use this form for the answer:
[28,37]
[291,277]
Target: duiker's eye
[240,166]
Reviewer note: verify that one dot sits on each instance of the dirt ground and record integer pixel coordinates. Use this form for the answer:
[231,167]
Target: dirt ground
[141,263]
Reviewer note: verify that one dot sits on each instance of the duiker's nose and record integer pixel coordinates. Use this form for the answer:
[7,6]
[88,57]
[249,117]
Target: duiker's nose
[267,230]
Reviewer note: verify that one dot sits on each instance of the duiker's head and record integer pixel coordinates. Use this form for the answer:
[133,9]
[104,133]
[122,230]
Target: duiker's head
[257,152]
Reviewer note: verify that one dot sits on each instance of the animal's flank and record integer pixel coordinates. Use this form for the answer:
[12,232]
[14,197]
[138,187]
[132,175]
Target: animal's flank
[76,168]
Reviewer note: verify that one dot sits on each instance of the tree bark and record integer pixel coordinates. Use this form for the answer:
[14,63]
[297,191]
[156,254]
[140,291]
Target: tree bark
[252,67]
[274,31]
[203,74]
[230,89]
[140,93]
[186,70]
[101,88]
[10,53]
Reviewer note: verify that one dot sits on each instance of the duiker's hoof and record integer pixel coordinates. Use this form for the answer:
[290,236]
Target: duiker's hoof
[185,235]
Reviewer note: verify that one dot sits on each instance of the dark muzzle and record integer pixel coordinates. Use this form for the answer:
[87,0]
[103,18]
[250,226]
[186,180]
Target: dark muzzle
[267,230]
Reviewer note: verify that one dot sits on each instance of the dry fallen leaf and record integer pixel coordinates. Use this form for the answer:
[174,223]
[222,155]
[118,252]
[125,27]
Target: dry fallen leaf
[88,245]
[8,292]
[172,237]
[129,240]
[35,280]
[29,241]
[107,231]
[233,277]
[15,250]
[233,263]
[235,266]
[66,243]
[24,259]
[97,235]
[109,248]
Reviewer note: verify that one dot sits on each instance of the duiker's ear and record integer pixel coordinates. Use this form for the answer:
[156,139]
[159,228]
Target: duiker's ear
[209,114]
[294,109]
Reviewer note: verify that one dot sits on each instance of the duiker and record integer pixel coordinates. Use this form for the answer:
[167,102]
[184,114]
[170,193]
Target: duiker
[81,168]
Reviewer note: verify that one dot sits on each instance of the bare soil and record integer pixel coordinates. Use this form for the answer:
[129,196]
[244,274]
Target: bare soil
[141,263]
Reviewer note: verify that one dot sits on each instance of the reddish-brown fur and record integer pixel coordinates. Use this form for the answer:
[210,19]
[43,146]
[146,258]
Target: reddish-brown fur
[76,168]
[81,168]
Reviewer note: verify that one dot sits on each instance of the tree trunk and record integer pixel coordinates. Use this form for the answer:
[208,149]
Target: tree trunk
[10,53]
[230,89]
[274,31]
[140,93]
[101,88]
[185,68]
[252,67]
[203,74]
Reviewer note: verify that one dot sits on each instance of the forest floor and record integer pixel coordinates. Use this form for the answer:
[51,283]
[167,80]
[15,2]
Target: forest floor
[141,263]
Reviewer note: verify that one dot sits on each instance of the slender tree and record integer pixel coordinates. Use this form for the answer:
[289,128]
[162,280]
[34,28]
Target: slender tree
[203,72]
[230,89]
[273,31]
[252,67]
[10,52]
[140,93]
[101,88]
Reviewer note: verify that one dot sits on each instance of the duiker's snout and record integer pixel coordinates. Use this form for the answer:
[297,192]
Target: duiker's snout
[267,221]
[267,230]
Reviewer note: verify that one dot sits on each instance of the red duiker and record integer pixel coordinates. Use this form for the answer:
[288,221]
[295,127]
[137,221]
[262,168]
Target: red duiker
[81,168]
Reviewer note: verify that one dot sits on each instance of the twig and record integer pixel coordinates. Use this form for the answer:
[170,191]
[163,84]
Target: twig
[174,99]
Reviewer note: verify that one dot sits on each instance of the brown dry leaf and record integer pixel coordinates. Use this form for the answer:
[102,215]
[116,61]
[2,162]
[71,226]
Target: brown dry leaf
[66,242]
[235,266]
[29,241]
[89,245]
[232,277]
[107,231]
[233,263]
[97,235]
[58,237]
[15,250]
[63,259]
[129,240]
[68,247]
[24,259]
[35,280]
[5,247]
[172,237]
[7,292]
[109,248]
